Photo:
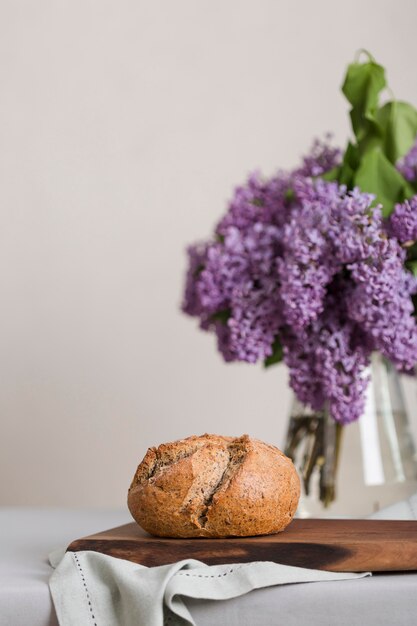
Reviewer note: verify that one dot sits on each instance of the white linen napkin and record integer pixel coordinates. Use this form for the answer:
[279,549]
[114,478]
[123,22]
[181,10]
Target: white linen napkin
[91,588]
[99,590]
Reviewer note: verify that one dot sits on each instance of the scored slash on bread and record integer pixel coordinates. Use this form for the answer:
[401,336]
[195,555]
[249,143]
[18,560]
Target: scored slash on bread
[214,486]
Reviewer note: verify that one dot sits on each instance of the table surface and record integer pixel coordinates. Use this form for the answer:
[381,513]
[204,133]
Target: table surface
[28,535]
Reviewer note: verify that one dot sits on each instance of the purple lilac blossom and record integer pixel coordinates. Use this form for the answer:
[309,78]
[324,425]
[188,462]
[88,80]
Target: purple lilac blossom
[403,221]
[380,303]
[408,164]
[196,263]
[311,264]
[322,158]
[328,361]
[329,229]
[258,201]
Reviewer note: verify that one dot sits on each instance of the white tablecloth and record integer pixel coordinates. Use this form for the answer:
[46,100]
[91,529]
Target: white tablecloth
[28,535]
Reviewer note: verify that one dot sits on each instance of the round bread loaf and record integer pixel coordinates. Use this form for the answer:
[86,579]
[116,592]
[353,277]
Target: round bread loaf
[213,486]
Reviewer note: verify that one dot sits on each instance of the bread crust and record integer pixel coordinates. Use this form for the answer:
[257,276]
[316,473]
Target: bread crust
[213,486]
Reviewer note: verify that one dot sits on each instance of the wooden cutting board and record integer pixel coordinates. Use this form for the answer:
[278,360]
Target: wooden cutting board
[334,545]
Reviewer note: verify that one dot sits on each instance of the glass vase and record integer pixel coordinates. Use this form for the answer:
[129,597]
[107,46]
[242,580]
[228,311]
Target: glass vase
[355,470]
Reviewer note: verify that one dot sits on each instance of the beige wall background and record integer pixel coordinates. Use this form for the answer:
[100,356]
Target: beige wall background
[123,128]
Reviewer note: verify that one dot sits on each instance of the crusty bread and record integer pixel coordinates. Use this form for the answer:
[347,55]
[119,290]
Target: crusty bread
[213,486]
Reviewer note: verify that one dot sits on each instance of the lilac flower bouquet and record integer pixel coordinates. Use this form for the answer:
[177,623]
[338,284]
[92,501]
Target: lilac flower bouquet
[315,266]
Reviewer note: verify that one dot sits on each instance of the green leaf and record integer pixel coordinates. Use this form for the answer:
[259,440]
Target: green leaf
[221,316]
[365,127]
[331,175]
[258,202]
[289,195]
[408,191]
[349,165]
[362,86]
[346,176]
[277,354]
[378,176]
[382,137]
[412,266]
[398,120]
[411,254]
[344,173]
[198,269]
[351,156]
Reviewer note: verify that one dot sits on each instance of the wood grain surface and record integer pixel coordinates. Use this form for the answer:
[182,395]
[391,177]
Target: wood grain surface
[334,545]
